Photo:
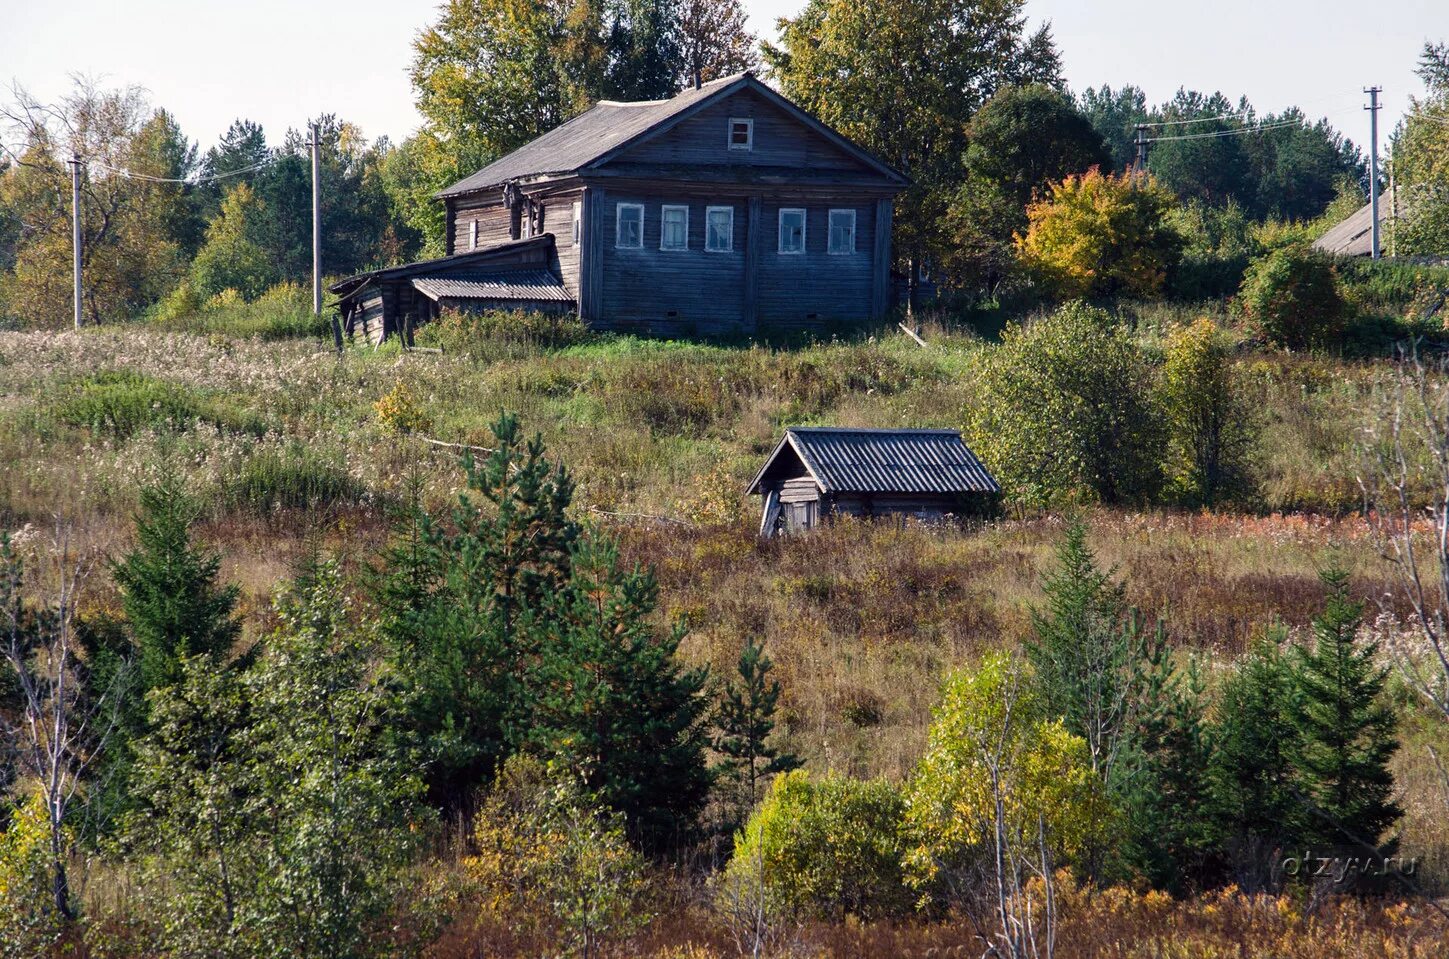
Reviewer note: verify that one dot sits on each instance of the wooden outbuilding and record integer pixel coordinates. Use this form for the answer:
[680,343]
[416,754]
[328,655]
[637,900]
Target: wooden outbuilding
[725,210]
[515,275]
[817,472]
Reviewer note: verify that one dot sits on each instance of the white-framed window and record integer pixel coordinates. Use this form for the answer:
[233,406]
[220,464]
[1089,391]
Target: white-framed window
[792,230]
[473,235]
[719,229]
[842,232]
[674,227]
[629,228]
[742,133]
[578,222]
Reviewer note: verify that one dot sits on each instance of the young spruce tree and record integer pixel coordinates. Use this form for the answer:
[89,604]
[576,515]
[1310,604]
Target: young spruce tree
[1092,656]
[743,722]
[1344,726]
[458,601]
[1251,773]
[613,702]
[170,590]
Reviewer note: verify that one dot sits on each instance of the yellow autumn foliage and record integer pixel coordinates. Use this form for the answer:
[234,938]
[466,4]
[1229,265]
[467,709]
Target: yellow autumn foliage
[1099,235]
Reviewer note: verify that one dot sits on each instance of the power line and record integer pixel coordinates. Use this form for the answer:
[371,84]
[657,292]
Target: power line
[1175,123]
[1259,128]
[194,181]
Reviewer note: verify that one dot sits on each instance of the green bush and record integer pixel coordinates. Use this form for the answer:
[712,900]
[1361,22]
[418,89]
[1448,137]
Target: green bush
[1292,297]
[28,924]
[282,312]
[122,403]
[825,848]
[1064,412]
[1209,425]
[540,842]
[296,478]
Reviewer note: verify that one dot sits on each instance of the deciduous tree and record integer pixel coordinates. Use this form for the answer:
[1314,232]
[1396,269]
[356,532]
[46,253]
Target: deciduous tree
[1099,235]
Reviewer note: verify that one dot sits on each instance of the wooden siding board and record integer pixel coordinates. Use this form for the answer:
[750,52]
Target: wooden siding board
[641,288]
[594,227]
[881,260]
[751,310]
[833,288]
[779,140]
[493,224]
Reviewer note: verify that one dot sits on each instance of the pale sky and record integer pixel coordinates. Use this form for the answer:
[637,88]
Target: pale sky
[280,61]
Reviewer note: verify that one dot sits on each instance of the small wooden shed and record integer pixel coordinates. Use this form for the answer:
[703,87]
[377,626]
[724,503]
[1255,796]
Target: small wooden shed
[816,472]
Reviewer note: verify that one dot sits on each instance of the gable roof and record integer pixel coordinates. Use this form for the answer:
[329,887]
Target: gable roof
[472,258]
[1353,236]
[842,460]
[598,134]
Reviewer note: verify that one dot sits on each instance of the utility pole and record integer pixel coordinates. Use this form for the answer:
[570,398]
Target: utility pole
[1373,109]
[75,230]
[316,146]
[316,223]
[1140,164]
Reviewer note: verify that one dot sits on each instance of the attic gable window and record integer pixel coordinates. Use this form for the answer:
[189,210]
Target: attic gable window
[742,133]
[629,229]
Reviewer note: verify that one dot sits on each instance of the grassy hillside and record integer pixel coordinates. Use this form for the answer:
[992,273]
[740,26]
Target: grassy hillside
[294,448]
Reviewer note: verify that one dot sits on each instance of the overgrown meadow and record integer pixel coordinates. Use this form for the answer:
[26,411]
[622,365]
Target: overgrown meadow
[294,451]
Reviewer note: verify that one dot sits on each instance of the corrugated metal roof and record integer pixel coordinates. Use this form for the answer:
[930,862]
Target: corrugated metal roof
[885,461]
[517,285]
[480,256]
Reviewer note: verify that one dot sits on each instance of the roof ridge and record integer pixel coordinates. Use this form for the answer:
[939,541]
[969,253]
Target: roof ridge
[874,429]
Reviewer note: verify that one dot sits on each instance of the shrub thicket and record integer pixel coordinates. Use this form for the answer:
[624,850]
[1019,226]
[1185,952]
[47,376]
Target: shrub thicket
[1064,411]
[998,766]
[541,841]
[1292,297]
[1210,429]
[824,847]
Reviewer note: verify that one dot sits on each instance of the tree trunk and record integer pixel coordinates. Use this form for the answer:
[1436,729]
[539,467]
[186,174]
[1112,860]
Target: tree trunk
[60,883]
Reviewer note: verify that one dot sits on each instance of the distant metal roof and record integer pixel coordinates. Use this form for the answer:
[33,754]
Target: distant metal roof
[599,132]
[538,285]
[845,460]
[1353,236]
[468,258]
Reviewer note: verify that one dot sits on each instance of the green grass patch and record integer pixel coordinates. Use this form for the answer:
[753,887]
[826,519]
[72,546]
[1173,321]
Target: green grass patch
[283,312]
[293,478]
[122,403]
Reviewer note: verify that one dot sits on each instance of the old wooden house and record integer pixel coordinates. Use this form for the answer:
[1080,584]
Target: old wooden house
[724,210]
[817,472]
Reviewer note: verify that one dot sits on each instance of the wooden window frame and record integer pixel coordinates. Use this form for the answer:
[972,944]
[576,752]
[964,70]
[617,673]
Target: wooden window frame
[804,231]
[663,213]
[473,234]
[830,232]
[749,143]
[578,225]
[729,234]
[619,209]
